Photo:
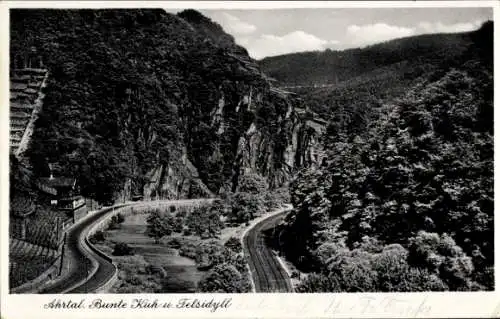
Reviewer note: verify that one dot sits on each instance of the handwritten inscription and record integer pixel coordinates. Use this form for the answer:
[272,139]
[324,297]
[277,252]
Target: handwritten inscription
[388,304]
[211,305]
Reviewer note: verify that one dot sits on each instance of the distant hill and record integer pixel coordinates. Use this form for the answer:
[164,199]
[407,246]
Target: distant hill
[331,67]
[367,78]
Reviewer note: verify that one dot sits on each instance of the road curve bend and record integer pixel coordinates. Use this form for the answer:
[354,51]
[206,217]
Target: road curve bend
[267,273]
[88,270]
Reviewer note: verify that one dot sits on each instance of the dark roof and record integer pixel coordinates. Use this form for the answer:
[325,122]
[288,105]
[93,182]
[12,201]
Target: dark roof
[57,182]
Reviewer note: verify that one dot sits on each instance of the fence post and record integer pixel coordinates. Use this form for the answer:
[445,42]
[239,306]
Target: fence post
[62,255]
[58,229]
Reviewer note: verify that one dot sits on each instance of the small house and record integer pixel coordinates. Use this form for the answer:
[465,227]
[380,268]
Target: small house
[63,194]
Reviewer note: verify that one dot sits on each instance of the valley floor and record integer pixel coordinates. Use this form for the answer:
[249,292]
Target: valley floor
[153,266]
[157,267]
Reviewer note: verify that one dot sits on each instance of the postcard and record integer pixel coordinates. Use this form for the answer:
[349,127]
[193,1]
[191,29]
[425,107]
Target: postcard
[248,159]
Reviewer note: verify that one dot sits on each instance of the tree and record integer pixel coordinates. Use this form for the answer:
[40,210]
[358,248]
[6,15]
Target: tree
[116,221]
[223,278]
[158,226]
[442,256]
[233,244]
[99,236]
[209,254]
[205,221]
[315,283]
[122,249]
[252,183]
[244,207]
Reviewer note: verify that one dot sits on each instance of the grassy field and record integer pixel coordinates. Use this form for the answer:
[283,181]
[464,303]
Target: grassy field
[157,267]
[154,268]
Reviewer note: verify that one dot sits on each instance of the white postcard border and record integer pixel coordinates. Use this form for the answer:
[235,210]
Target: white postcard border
[342,305]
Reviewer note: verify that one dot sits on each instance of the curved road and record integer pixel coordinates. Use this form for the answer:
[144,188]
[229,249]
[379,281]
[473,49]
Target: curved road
[82,260]
[80,265]
[267,272]
[88,271]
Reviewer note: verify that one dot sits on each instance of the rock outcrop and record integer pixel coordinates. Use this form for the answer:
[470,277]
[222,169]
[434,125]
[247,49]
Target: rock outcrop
[171,108]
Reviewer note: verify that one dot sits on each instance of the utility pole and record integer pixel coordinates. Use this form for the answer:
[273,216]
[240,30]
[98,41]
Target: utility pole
[62,255]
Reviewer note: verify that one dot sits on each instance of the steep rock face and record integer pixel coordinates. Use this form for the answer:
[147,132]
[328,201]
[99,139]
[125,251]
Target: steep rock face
[274,151]
[175,180]
[168,108]
[292,146]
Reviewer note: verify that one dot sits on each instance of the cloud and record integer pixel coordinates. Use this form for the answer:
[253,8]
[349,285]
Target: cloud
[296,41]
[361,35]
[373,33]
[234,25]
[439,27]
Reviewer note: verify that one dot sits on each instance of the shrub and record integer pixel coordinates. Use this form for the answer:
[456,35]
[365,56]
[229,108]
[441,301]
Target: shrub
[353,271]
[116,221]
[97,237]
[205,222]
[275,198]
[318,283]
[174,243]
[158,226]
[457,271]
[178,224]
[209,254]
[223,278]
[391,267]
[122,249]
[245,207]
[134,281]
[234,244]
[486,277]
[156,270]
[237,260]
[418,279]
[187,231]
[327,250]
[369,244]
[119,218]
[252,183]
[188,250]
[442,256]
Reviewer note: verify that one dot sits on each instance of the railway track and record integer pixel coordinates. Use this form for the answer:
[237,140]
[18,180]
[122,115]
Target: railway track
[266,270]
[89,271]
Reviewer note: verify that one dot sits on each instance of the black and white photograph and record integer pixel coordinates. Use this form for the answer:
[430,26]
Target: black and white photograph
[189,150]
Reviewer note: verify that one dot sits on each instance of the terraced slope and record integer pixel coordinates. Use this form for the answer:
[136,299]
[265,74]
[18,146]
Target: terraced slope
[25,102]
[27,261]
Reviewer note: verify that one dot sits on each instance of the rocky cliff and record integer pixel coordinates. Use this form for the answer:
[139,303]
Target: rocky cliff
[142,102]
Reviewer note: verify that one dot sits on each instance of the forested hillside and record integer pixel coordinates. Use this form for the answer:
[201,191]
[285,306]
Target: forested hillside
[150,103]
[332,67]
[404,200]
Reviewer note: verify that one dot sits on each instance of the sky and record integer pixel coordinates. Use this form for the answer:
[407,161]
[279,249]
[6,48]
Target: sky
[280,31]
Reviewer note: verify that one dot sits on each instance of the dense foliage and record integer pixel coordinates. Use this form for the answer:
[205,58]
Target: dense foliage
[159,225]
[133,90]
[406,203]
[122,249]
[251,200]
[333,67]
